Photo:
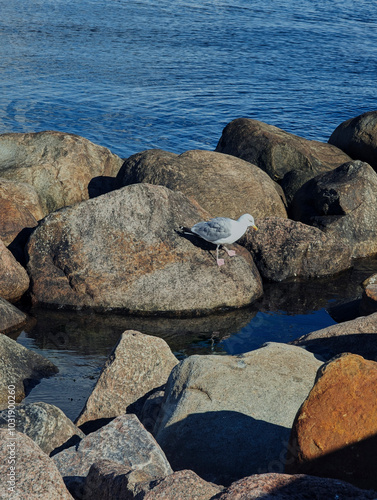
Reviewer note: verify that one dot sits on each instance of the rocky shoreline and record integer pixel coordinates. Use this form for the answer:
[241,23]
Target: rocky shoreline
[80,228]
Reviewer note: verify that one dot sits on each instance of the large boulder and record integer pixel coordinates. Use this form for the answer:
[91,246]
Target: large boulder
[14,280]
[343,204]
[275,486]
[358,336]
[283,248]
[20,367]
[137,365]
[11,318]
[122,251]
[287,158]
[26,471]
[226,417]
[223,185]
[335,431]
[59,166]
[357,137]
[45,424]
[124,441]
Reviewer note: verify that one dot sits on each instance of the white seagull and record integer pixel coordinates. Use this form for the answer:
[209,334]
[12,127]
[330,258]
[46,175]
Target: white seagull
[221,230]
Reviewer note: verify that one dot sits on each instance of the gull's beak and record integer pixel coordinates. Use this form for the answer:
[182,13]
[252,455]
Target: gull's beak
[255,227]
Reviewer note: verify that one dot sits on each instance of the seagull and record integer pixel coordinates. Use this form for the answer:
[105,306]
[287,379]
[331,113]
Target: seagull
[221,230]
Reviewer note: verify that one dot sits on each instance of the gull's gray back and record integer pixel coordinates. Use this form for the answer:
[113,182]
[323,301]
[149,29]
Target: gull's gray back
[213,230]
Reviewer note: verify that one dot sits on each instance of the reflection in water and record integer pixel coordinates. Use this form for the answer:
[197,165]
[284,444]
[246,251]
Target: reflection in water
[79,342]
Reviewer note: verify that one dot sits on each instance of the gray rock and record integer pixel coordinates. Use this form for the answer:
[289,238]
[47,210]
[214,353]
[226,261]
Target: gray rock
[34,476]
[122,251]
[124,441]
[358,138]
[226,417]
[283,248]
[18,368]
[183,485]
[358,336]
[343,204]
[287,158]
[212,179]
[45,424]
[137,365]
[59,166]
[11,318]
[109,480]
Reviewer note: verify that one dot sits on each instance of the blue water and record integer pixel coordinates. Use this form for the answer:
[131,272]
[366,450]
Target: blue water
[133,75]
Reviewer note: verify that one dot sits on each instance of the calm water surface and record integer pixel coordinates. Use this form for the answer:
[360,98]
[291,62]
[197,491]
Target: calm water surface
[134,75]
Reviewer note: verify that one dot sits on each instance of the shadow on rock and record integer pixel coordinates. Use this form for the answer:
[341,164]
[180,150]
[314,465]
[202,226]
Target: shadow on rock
[224,446]
[363,344]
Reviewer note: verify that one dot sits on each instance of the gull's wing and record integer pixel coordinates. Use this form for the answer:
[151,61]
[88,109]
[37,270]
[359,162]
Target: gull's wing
[214,229]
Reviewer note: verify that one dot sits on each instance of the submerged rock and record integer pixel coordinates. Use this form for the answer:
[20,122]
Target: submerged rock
[223,185]
[122,251]
[343,204]
[226,417]
[287,158]
[59,166]
[19,368]
[34,475]
[45,424]
[357,137]
[335,430]
[137,365]
[283,248]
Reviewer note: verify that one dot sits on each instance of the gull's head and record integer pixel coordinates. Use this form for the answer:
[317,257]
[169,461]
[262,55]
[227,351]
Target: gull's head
[248,220]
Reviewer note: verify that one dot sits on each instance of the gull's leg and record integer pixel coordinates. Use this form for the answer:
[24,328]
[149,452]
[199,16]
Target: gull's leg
[231,253]
[220,262]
